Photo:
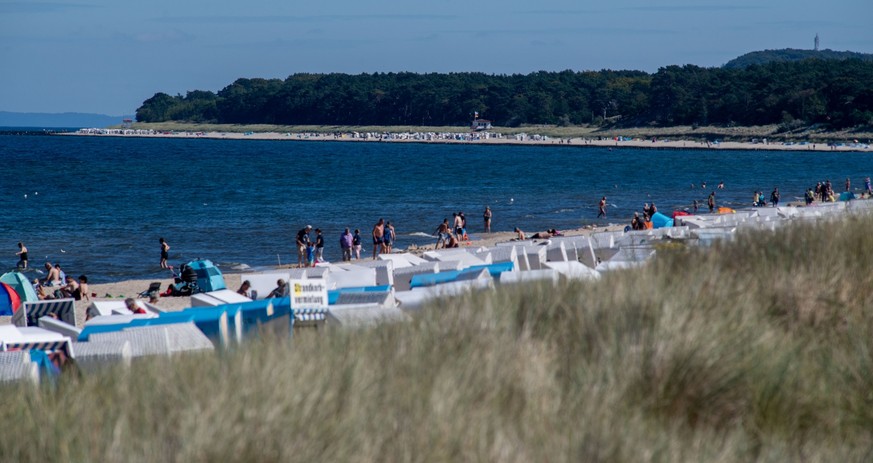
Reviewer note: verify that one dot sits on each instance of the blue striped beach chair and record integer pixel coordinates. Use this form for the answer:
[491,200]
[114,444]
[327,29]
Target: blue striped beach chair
[31,312]
[49,347]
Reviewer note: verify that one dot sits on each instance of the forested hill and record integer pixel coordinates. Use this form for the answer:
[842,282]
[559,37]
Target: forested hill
[812,91]
[792,54]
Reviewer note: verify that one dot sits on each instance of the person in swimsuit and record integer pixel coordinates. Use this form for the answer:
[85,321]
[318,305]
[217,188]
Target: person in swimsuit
[388,238]
[378,233]
[711,202]
[319,245]
[53,278]
[22,256]
[165,253]
[442,234]
[602,208]
[84,291]
[487,217]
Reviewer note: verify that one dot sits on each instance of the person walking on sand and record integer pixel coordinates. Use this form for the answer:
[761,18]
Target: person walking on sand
[302,243]
[22,256]
[774,197]
[378,232]
[602,207]
[165,253]
[711,202]
[487,217]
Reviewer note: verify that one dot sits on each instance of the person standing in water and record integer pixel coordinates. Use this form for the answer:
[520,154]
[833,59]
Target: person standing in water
[22,256]
[602,206]
[165,253]
[487,217]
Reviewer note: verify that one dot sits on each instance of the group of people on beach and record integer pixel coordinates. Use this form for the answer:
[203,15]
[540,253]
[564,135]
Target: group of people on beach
[59,285]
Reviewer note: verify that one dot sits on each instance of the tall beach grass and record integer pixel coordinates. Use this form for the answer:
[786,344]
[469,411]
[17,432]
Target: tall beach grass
[757,349]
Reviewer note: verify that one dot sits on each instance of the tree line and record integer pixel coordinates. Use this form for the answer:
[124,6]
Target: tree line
[836,93]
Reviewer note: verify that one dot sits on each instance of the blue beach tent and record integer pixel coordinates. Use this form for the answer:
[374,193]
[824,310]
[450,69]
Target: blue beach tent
[661,221]
[844,196]
[21,286]
[208,276]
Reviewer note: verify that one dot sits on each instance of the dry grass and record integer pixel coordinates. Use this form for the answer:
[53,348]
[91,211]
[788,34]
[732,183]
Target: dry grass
[757,350]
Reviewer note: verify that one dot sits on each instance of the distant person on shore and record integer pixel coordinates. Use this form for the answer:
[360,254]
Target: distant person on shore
[84,290]
[61,275]
[22,256]
[71,289]
[165,252]
[636,224]
[53,277]
[519,235]
[133,306]
[647,223]
[346,243]
[443,233]
[602,208]
[245,289]
[378,233]
[711,202]
[695,205]
[319,246]
[867,187]
[774,197]
[356,243]
[457,226]
[463,227]
[848,184]
[487,217]
[809,196]
[279,291]
[302,243]
[388,238]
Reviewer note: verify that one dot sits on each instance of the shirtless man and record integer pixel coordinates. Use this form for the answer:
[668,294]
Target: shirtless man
[53,278]
[378,231]
[457,226]
[602,206]
[442,233]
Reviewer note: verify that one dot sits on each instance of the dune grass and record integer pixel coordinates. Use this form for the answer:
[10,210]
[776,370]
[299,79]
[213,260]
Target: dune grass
[753,350]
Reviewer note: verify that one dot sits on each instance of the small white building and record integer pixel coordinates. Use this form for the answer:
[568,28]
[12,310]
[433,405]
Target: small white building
[480,124]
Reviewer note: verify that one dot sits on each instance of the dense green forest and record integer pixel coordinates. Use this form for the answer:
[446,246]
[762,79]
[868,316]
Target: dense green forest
[793,54]
[836,93]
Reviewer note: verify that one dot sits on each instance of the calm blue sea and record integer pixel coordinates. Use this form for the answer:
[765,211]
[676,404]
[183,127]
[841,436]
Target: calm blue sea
[99,205]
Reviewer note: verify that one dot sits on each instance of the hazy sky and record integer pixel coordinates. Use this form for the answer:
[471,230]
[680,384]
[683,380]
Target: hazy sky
[107,57]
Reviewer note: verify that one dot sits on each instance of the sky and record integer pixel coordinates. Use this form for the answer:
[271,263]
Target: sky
[108,56]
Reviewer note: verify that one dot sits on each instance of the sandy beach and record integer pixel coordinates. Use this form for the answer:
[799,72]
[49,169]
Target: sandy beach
[121,290]
[489,138]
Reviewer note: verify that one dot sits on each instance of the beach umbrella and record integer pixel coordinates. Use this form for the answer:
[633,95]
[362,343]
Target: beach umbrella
[9,300]
[21,286]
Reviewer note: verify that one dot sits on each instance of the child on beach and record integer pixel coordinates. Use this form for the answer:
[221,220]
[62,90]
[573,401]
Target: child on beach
[310,254]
